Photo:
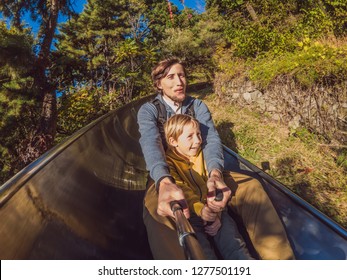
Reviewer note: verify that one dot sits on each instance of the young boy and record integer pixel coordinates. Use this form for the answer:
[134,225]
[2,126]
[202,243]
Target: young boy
[187,166]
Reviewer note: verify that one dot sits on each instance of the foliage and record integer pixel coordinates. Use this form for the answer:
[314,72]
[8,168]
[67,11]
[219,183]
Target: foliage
[196,43]
[76,109]
[272,25]
[158,19]
[311,63]
[314,15]
[42,127]
[17,99]
[108,48]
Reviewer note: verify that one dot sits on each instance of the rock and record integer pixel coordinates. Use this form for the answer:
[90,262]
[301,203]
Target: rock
[295,122]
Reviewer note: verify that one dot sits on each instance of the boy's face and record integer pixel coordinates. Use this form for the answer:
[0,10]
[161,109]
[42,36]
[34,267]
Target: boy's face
[174,84]
[189,142]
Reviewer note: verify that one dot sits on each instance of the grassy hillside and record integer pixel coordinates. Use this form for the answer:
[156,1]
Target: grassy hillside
[298,159]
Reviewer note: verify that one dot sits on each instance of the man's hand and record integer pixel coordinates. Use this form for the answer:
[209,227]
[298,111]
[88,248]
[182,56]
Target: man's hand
[216,182]
[168,192]
[214,227]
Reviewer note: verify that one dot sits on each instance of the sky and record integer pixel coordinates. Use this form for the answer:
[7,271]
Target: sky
[198,5]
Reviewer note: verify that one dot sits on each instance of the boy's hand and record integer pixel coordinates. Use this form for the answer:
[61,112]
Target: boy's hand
[214,227]
[207,214]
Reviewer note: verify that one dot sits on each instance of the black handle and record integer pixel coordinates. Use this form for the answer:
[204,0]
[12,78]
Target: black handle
[175,205]
[218,197]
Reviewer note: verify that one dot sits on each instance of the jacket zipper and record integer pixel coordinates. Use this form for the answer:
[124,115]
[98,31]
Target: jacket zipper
[196,184]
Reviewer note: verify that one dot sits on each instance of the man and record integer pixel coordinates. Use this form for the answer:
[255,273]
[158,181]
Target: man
[249,199]
[170,79]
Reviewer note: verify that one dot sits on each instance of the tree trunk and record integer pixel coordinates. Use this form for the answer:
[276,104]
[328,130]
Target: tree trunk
[46,130]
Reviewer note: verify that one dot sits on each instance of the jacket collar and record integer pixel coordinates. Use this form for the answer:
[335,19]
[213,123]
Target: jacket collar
[178,157]
[186,102]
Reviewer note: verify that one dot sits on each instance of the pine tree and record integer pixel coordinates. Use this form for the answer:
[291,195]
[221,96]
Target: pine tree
[17,101]
[43,88]
[109,48]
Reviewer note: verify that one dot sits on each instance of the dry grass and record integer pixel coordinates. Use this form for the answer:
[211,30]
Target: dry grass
[295,158]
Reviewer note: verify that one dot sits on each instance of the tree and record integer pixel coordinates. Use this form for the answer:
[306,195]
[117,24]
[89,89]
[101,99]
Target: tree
[195,40]
[46,13]
[17,99]
[109,49]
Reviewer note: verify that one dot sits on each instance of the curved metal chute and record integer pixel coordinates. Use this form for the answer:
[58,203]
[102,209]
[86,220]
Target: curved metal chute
[83,200]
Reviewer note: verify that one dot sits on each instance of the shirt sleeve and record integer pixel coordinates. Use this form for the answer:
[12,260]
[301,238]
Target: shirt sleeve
[151,143]
[211,142]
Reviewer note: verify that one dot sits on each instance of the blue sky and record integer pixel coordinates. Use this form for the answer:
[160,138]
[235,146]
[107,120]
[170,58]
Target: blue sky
[198,5]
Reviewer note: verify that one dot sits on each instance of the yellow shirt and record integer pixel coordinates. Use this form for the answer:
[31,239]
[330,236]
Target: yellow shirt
[191,175]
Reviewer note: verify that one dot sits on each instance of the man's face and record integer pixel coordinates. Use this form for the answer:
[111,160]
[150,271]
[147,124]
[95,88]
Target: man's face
[174,84]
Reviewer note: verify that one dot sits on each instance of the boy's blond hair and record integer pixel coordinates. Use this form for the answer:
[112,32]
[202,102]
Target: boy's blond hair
[174,126]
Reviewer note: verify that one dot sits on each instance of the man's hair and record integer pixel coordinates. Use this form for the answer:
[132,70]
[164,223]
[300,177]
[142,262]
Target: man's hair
[174,126]
[163,67]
